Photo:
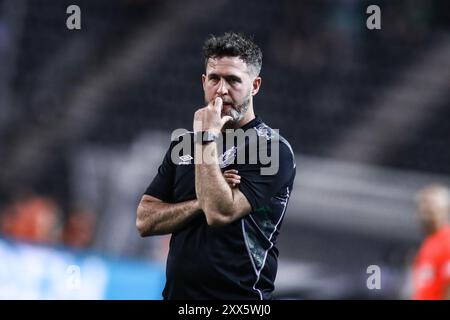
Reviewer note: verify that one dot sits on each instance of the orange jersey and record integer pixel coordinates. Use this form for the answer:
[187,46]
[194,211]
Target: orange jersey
[431,269]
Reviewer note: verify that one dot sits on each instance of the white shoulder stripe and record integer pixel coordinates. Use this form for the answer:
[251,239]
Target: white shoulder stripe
[258,272]
[251,259]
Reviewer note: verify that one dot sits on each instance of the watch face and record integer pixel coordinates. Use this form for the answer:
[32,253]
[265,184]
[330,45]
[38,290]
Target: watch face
[205,136]
[209,136]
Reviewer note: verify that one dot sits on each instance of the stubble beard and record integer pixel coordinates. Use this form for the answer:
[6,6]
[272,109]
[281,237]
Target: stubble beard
[238,112]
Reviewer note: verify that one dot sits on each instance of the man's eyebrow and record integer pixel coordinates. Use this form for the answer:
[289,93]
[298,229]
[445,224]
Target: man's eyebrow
[227,77]
[233,77]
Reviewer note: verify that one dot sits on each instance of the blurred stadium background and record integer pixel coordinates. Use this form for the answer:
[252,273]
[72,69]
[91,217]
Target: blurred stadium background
[86,115]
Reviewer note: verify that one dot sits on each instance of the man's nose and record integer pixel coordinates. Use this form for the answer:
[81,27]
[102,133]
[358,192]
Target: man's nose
[223,88]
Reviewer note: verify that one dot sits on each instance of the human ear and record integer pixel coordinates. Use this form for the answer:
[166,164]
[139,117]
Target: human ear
[256,85]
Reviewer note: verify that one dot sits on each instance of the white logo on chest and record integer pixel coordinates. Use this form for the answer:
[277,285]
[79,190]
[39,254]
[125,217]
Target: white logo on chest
[227,157]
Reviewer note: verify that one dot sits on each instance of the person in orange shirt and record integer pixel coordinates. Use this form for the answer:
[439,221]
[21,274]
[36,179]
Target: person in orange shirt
[78,231]
[32,218]
[431,268]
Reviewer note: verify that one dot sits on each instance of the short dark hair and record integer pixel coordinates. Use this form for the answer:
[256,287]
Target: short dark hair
[233,44]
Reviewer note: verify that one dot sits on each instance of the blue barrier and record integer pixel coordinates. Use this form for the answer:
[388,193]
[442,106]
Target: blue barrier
[30,271]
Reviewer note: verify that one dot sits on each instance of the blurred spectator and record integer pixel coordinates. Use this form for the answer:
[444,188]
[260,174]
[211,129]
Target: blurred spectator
[431,268]
[79,229]
[32,218]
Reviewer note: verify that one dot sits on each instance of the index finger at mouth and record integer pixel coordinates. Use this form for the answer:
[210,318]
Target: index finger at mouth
[218,103]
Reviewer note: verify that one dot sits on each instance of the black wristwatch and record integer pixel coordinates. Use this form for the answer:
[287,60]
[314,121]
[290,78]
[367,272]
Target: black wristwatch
[204,137]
